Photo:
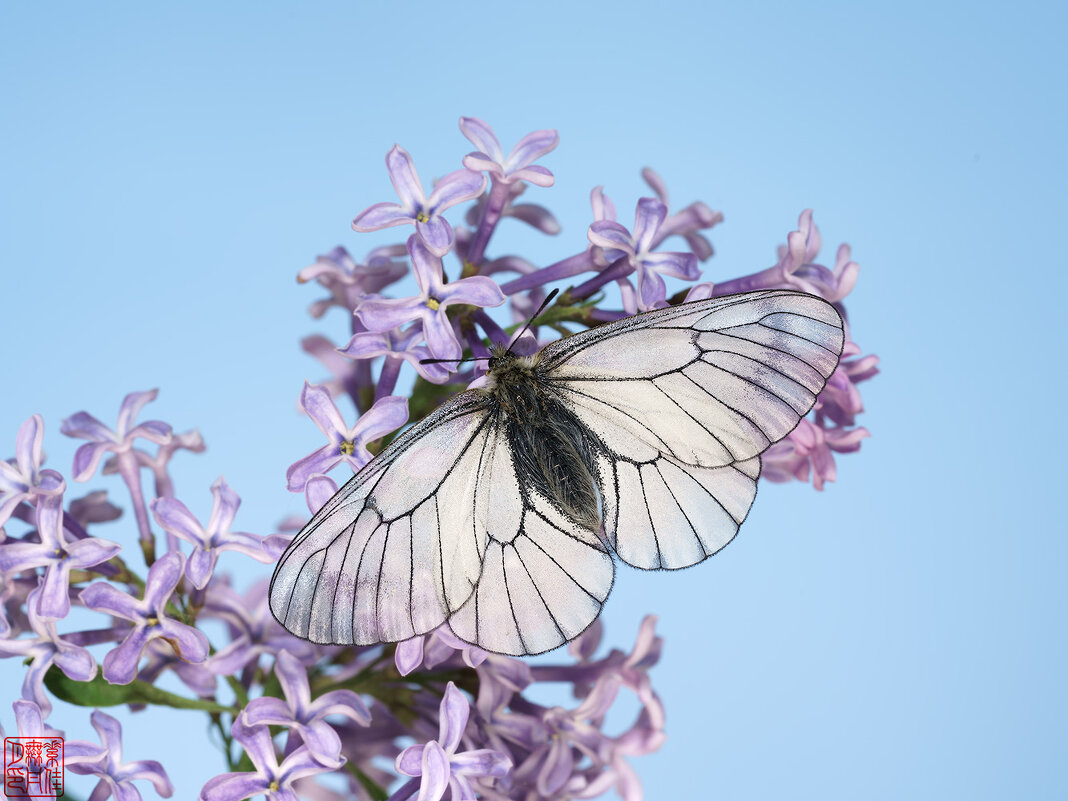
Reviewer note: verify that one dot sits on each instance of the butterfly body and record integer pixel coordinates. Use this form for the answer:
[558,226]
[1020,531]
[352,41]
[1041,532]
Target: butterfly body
[499,513]
[552,451]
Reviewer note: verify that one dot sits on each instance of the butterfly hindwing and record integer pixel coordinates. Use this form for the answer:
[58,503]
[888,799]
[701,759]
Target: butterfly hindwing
[681,402]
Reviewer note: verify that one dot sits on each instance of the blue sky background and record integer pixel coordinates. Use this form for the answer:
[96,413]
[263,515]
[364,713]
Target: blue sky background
[168,170]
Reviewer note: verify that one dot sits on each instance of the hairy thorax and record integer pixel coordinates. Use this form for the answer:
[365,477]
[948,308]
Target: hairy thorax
[552,450]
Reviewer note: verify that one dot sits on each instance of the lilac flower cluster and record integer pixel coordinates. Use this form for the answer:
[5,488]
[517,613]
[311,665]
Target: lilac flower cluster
[456,721]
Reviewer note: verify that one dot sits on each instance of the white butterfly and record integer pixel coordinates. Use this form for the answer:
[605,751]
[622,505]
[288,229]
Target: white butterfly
[498,512]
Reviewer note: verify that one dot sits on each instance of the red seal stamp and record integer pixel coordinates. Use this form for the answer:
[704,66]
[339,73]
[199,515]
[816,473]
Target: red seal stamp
[33,767]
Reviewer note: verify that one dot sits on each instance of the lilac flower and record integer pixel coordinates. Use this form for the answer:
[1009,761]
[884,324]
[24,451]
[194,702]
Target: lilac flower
[381,314]
[93,507]
[120,442]
[415,207]
[550,766]
[29,720]
[271,779]
[253,630]
[160,656]
[347,280]
[345,444]
[808,448]
[519,164]
[434,649]
[436,765]
[636,248]
[149,618]
[686,223]
[103,439]
[56,555]
[22,479]
[795,268]
[175,517]
[398,346]
[116,776]
[46,649]
[188,441]
[533,214]
[301,714]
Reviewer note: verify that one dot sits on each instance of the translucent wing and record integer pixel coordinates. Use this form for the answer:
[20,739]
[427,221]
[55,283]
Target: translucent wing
[544,578]
[682,401]
[400,547]
[710,383]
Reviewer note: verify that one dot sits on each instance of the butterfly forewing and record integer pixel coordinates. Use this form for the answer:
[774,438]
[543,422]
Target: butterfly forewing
[400,546]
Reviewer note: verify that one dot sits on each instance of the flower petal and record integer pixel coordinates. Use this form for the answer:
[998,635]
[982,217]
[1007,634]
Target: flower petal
[83,425]
[131,407]
[648,216]
[382,314]
[224,507]
[86,458]
[382,215]
[434,771]
[28,444]
[436,234]
[175,517]
[189,643]
[454,713]
[481,136]
[120,663]
[384,417]
[163,577]
[456,187]
[478,290]
[404,178]
[321,461]
[200,566]
[316,401]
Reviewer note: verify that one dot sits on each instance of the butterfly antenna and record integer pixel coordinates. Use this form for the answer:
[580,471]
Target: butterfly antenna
[534,316]
[453,361]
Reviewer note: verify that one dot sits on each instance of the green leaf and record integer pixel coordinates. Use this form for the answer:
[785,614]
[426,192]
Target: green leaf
[99,692]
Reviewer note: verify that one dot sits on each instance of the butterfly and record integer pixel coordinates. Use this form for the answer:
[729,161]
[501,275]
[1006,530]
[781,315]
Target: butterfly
[500,511]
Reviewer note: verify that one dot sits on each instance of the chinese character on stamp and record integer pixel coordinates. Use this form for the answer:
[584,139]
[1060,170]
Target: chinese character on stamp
[33,767]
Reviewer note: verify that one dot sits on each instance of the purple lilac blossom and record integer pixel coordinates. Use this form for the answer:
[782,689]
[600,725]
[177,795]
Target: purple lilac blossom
[434,649]
[415,207]
[304,716]
[437,765]
[636,251]
[149,617]
[158,464]
[56,554]
[397,346]
[345,444]
[270,778]
[29,720]
[120,442]
[46,649]
[117,777]
[22,479]
[175,518]
[252,629]
[430,306]
[348,280]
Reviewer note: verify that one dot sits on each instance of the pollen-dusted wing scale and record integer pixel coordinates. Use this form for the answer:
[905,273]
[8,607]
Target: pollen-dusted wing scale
[499,511]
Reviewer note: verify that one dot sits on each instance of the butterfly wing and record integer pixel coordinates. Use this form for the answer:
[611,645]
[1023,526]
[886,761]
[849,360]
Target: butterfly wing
[544,577]
[400,546]
[682,401]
